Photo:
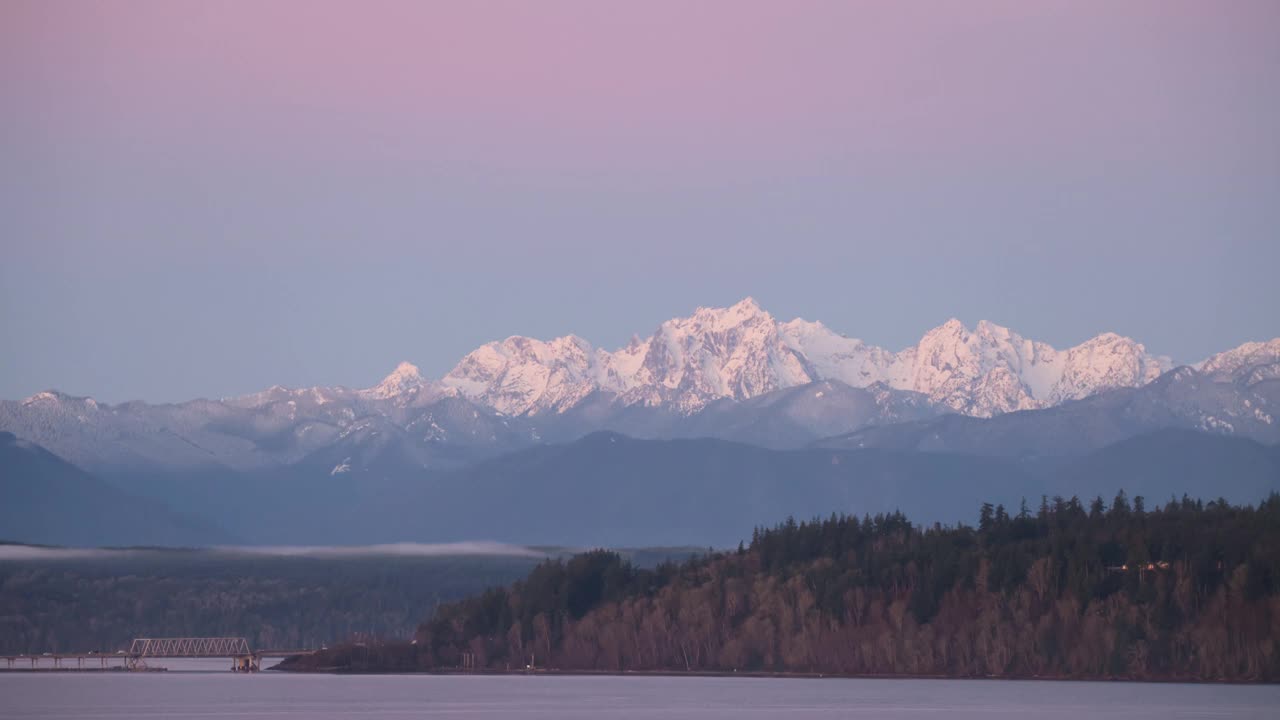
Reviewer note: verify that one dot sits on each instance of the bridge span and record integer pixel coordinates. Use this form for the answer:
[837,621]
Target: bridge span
[243,658]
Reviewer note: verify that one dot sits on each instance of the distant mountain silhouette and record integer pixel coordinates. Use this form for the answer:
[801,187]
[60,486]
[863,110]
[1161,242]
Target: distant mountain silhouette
[609,489]
[44,499]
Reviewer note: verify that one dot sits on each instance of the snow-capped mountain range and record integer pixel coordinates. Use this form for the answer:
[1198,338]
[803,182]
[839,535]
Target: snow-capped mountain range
[735,373]
[741,352]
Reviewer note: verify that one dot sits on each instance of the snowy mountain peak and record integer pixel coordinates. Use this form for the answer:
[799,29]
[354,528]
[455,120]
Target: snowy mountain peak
[1248,355]
[406,368]
[522,375]
[405,378]
[745,311]
[1104,362]
[801,328]
[730,362]
[48,396]
[54,398]
[953,326]
[741,351]
[735,352]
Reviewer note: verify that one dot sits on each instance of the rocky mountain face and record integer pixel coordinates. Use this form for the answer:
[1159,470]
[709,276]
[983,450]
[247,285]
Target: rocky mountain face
[734,373]
[275,428]
[341,432]
[1250,363]
[735,353]
[1222,398]
[742,352]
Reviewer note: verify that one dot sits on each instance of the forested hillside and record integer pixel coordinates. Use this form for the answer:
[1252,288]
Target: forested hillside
[1189,590]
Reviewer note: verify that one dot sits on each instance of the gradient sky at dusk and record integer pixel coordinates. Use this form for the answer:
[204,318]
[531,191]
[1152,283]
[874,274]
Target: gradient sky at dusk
[203,199]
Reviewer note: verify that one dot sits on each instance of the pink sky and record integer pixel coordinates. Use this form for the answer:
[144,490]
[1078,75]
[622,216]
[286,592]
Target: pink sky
[393,174]
[583,84]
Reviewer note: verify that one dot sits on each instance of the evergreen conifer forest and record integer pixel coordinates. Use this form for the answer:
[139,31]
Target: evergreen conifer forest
[1185,591]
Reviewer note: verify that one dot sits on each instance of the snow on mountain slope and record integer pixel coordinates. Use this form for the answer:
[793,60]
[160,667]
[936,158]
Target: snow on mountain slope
[742,352]
[521,375]
[1246,357]
[132,435]
[1102,363]
[276,427]
[1183,398]
[832,356]
[735,353]
[716,362]
[993,370]
[405,379]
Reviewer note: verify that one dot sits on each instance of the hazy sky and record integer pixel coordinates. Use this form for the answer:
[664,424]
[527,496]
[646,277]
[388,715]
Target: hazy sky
[206,198]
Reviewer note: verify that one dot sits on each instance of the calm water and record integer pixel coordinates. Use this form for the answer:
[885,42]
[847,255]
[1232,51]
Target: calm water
[220,694]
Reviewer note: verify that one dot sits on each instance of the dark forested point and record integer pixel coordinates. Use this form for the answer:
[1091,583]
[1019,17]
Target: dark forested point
[1093,589]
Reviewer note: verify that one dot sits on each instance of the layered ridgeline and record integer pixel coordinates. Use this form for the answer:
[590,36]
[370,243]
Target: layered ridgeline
[715,423]
[732,373]
[44,499]
[1190,591]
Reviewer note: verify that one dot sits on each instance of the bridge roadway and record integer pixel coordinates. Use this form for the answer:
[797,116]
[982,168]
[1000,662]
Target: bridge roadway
[140,650]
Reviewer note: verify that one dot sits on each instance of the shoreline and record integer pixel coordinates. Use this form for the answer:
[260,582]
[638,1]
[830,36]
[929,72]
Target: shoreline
[766,675]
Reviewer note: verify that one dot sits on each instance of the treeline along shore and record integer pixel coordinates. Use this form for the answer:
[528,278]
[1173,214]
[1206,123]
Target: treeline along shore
[1187,591]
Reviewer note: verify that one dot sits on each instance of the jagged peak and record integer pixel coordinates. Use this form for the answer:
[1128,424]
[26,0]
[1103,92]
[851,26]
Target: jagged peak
[405,378]
[1000,368]
[45,396]
[744,307]
[571,339]
[993,333]
[405,375]
[741,350]
[523,343]
[1111,338]
[988,329]
[1251,348]
[57,397]
[746,304]
[952,326]
[723,318]
[1250,353]
[808,327]
[405,369]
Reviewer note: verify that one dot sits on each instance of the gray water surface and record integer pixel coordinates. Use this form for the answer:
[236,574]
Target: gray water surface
[222,694]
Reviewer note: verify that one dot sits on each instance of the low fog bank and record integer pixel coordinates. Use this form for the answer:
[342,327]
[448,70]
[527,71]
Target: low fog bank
[407,549]
[40,552]
[481,547]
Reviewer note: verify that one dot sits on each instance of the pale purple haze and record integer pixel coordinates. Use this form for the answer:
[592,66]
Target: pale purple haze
[203,199]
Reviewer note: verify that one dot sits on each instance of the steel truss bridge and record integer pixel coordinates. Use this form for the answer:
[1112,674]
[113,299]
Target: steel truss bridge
[243,658]
[237,648]
[189,647]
